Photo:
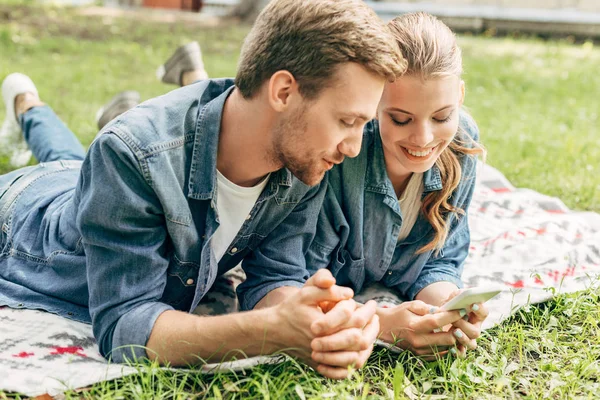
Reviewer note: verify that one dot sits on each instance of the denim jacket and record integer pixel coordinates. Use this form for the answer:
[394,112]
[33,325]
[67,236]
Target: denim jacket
[359,223]
[126,235]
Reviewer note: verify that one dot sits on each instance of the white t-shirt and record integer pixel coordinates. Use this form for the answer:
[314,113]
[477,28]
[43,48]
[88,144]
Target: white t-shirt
[410,204]
[234,204]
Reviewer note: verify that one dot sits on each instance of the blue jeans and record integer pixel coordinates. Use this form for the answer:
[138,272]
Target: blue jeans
[48,137]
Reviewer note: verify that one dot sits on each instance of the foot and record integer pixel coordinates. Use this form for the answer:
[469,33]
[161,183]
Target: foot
[185,66]
[19,94]
[116,106]
[26,101]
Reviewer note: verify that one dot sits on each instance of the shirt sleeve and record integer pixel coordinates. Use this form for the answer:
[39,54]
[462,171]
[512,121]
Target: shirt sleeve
[447,265]
[124,236]
[279,260]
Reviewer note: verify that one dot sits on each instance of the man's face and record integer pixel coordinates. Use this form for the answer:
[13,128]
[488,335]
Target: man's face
[314,135]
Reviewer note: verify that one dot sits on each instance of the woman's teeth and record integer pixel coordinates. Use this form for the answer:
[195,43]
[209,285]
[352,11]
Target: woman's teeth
[419,153]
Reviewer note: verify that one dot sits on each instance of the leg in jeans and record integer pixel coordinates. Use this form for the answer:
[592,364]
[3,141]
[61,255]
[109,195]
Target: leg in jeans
[48,137]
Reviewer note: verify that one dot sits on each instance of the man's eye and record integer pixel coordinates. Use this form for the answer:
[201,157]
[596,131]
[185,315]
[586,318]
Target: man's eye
[348,123]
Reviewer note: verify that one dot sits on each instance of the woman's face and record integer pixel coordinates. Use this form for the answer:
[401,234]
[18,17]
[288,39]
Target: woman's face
[418,119]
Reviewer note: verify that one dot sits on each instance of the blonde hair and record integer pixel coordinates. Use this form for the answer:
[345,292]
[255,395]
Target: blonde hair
[310,39]
[431,51]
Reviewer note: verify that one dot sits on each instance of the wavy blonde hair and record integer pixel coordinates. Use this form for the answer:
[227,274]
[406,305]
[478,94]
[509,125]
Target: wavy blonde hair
[431,50]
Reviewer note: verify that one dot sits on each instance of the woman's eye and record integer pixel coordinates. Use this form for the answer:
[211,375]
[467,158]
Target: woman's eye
[446,119]
[400,123]
[441,121]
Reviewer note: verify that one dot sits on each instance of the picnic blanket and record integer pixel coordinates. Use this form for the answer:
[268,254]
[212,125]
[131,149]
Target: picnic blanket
[528,242]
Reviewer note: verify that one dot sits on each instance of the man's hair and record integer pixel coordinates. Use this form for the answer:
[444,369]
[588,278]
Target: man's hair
[310,39]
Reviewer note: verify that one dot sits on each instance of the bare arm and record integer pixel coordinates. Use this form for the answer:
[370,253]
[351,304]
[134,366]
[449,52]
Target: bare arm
[437,293]
[182,339]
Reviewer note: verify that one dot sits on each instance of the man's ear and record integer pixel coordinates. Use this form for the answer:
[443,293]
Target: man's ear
[281,90]
[462,93]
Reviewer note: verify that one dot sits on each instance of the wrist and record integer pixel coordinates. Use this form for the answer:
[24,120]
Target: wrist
[385,324]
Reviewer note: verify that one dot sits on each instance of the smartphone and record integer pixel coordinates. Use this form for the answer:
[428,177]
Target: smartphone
[470,296]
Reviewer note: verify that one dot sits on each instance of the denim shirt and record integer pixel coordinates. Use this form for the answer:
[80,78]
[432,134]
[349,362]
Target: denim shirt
[127,235]
[357,232]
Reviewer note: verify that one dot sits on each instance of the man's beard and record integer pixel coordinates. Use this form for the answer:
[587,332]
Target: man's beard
[289,149]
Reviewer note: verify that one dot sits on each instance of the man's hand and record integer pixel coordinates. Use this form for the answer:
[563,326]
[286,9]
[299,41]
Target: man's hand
[347,330]
[410,326]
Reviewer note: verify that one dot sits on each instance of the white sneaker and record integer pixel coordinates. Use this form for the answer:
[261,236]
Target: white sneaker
[12,142]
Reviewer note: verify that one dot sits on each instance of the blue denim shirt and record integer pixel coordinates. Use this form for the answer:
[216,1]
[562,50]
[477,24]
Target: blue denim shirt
[357,232]
[126,235]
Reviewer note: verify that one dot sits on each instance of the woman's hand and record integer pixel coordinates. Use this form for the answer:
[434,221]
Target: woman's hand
[468,329]
[411,326]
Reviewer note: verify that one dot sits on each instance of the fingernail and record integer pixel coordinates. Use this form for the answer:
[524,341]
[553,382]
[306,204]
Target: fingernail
[432,310]
[437,330]
[466,317]
[475,307]
[453,351]
[458,333]
[463,312]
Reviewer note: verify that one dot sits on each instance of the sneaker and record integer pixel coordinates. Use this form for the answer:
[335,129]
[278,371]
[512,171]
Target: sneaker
[12,142]
[186,58]
[120,103]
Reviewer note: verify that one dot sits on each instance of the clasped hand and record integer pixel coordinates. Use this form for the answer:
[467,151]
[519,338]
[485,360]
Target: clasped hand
[326,328]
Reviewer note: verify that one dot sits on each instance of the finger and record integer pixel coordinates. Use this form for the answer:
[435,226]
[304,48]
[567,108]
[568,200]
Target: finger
[347,340]
[334,319]
[363,315]
[473,331]
[342,359]
[463,339]
[322,279]
[480,312]
[461,351]
[333,372]
[359,317]
[315,295]
[363,356]
[419,307]
[436,321]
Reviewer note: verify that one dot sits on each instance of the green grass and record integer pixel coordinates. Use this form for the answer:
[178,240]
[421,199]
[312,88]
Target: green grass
[537,108]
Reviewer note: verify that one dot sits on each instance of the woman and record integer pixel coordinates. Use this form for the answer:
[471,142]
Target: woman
[396,214]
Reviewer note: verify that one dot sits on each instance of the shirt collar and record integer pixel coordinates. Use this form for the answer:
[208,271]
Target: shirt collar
[203,170]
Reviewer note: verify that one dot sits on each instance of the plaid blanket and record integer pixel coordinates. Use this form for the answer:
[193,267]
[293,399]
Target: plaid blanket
[530,243]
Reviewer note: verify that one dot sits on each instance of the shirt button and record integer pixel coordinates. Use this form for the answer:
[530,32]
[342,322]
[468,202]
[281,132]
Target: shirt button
[390,272]
[234,250]
[190,281]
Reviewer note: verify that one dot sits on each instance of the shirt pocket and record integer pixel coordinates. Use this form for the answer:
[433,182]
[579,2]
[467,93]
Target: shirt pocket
[348,271]
[181,284]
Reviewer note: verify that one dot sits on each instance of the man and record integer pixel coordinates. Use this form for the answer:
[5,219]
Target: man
[179,190]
